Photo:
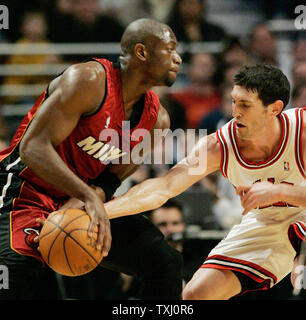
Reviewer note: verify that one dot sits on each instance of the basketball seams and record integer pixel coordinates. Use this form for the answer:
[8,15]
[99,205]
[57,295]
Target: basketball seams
[78,229]
[66,256]
[62,227]
[60,230]
[46,234]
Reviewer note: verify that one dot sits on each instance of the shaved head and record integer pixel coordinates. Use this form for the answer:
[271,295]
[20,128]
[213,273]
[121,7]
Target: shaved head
[145,31]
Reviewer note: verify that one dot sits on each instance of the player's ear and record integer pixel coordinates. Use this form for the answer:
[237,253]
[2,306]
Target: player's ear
[277,107]
[140,51]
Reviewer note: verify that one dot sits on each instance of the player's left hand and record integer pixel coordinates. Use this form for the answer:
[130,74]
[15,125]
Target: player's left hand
[257,195]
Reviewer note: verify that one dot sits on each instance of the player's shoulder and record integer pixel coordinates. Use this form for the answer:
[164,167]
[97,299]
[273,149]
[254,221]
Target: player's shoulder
[213,144]
[86,75]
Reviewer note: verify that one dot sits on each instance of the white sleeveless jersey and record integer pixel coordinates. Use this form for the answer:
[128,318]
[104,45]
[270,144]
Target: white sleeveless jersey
[262,246]
[284,166]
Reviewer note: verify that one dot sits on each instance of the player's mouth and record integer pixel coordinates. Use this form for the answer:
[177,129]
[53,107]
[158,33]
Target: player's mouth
[240,125]
[174,70]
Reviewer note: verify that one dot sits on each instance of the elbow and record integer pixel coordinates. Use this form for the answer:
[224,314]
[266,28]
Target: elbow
[23,151]
[26,150]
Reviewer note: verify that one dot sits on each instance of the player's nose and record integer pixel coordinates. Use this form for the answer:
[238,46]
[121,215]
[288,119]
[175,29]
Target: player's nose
[177,59]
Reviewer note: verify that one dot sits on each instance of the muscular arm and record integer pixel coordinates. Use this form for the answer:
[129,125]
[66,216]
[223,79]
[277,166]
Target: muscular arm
[153,193]
[75,93]
[78,91]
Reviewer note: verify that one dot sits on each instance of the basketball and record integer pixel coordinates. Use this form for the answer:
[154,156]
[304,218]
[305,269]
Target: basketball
[65,245]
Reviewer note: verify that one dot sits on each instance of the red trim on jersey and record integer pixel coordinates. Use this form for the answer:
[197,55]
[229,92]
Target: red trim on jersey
[244,267]
[224,153]
[300,229]
[298,140]
[272,159]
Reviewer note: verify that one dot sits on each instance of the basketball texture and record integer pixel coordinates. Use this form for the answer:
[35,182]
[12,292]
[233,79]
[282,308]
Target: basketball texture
[65,245]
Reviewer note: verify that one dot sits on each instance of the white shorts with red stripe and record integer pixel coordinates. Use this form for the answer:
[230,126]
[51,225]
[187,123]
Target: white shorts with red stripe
[261,249]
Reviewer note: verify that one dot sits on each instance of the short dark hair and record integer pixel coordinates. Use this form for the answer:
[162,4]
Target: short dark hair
[269,82]
[170,204]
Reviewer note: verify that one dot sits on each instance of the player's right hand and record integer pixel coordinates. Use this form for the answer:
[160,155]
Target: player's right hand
[96,211]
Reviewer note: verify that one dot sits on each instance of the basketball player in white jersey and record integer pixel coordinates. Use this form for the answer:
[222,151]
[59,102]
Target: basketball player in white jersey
[262,151]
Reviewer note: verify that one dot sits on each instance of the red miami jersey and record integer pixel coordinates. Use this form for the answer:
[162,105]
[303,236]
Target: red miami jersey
[97,140]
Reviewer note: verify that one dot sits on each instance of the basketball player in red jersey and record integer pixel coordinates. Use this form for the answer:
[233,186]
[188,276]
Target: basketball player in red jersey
[57,153]
[262,151]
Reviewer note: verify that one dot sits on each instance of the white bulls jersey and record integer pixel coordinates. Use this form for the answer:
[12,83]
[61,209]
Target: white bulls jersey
[261,246]
[284,166]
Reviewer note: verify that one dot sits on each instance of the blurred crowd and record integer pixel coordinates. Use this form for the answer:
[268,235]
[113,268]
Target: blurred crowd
[200,98]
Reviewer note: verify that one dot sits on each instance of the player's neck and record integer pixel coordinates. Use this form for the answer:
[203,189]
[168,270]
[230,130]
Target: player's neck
[266,142]
[133,87]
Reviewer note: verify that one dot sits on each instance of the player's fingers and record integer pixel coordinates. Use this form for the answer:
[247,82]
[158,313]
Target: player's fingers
[245,198]
[107,241]
[249,205]
[242,189]
[104,237]
[40,221]
[91,227]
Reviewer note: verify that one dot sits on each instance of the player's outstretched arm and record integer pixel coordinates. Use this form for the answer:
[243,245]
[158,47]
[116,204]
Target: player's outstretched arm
[152,193]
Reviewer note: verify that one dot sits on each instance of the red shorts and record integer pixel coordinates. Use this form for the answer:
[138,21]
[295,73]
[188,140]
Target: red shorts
[18,219]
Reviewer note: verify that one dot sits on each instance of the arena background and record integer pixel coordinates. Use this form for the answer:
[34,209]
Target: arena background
[216,37]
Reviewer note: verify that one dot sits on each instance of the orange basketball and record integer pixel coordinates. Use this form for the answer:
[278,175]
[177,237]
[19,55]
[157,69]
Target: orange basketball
[65,245]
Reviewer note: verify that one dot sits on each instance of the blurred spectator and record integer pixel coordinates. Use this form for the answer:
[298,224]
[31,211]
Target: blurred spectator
[127,11]
[299,72]
[33,30]
[228,74]
[3,144]
[169,220]
[219,117]
[234,53]
[86,23]
[201,95]
[59,18]
[299,95]
[299,49]
[17,9]
[189,25]
[263,45]
[64,6]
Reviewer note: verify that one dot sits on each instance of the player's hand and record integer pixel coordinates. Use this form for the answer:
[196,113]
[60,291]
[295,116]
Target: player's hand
[95,209]
[76,203]
[41,222]
[257,195]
